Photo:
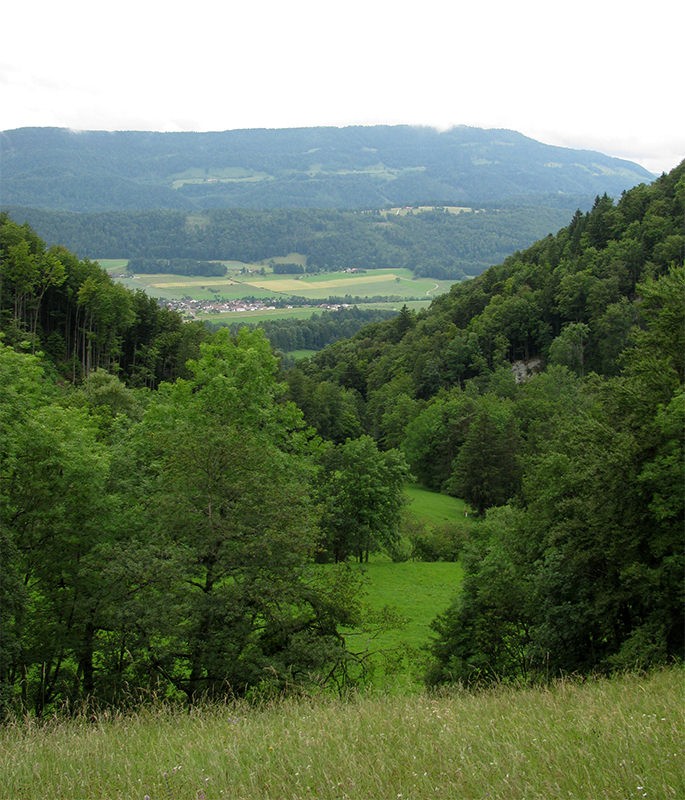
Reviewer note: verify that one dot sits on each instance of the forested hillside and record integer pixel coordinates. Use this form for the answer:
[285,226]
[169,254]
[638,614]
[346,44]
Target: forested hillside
[353,167]
[577,469]
[337,196]
[70,309]
[432,242]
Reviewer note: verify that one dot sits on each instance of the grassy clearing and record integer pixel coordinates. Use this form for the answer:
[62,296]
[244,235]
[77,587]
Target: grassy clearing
[299,355]
[435,508]
[407,596]
[600,740]
[403,598]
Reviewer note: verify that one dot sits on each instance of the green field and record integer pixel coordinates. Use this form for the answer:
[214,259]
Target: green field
[403,598]
[247,280]
[596,740]
[301,312]
[411,593]
[433,507]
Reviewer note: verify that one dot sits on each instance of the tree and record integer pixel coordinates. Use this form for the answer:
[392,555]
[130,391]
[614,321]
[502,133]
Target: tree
[486,471]
[228,488]
[484,635]
[569,348]
[53,518]
[433,437]
[362,497]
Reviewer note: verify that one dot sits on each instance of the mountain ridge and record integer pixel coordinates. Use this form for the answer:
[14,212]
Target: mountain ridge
[323,167]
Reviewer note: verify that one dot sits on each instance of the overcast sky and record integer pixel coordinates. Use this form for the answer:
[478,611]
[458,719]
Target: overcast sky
[606,75]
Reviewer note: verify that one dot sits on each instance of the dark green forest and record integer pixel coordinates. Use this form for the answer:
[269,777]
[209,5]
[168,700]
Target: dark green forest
[435,243]
[168,494]
[174,266]
[320,330]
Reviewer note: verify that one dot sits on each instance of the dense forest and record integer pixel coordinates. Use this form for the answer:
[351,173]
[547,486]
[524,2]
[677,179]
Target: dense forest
[167,494]
[358,167]
[434,243]
[162,505]
[174,266]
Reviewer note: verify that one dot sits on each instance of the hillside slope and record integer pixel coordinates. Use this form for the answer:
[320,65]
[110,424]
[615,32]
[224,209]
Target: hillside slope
[577,471]
[353,167]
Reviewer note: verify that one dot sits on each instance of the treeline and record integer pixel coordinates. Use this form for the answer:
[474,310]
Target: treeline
[436,244]
[319,330]
[288,268]
[69,308]
[175,266]
[548,393]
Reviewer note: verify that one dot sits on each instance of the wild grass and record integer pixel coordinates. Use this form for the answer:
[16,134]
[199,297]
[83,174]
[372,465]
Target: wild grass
[598,740]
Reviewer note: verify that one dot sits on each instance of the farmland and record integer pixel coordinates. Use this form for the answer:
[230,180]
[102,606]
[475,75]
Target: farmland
[277,295]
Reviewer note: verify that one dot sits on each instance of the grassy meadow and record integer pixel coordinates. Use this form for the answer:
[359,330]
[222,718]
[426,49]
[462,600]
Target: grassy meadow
[434,508]
[596,740]
[403,598]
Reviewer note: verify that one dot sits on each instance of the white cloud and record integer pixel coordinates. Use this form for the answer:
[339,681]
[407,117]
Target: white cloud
[593,74]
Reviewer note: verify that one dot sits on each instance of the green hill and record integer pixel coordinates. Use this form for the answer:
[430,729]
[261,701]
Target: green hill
[353,167]
[548,393]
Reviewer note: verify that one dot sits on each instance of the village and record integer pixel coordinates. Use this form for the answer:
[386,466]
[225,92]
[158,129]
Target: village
[192,309]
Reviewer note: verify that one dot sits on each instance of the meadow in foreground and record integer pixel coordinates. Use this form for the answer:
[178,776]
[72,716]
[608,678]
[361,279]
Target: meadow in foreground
[604,739]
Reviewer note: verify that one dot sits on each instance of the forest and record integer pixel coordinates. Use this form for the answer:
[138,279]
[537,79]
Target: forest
[577,471]
[320,330]
[175,266]
[434,243]
[169,495]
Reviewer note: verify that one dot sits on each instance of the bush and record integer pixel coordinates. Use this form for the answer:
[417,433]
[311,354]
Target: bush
[441,542]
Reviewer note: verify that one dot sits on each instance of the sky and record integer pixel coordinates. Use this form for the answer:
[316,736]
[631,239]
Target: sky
[591,74]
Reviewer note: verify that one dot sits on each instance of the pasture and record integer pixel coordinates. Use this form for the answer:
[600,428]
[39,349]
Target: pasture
[403,598]
[435,508]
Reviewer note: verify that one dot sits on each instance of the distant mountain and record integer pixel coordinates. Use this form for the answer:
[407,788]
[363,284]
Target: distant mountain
[346,168]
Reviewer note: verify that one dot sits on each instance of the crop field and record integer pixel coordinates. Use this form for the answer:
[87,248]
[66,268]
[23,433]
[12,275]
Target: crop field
[374,282]
[255,280]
